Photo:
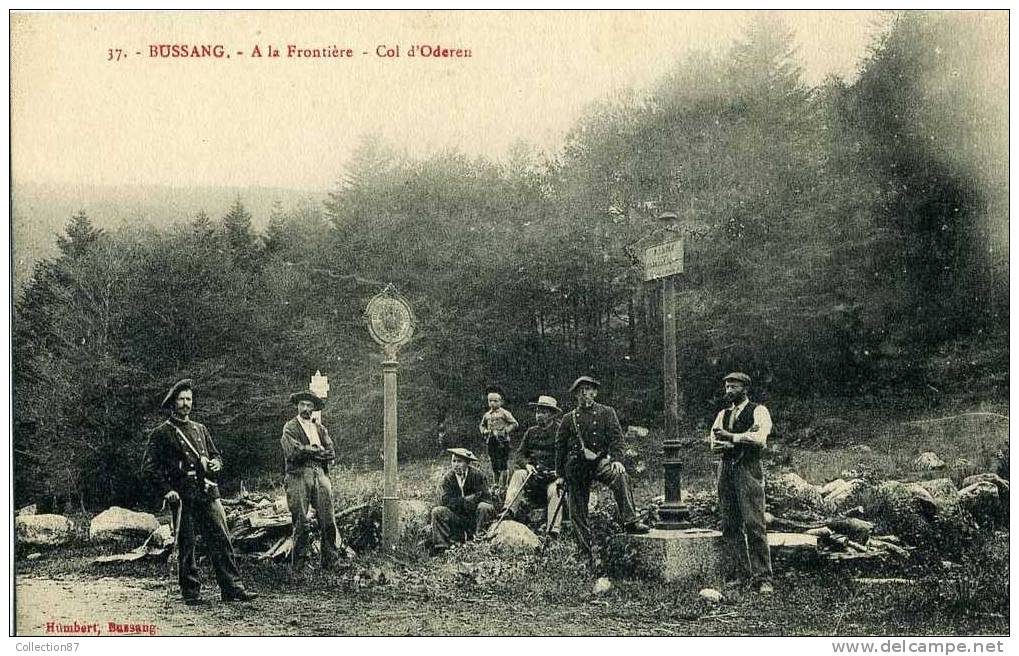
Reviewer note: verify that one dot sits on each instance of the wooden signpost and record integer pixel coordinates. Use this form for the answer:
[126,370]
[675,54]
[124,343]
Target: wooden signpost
[391,324]
[665,261]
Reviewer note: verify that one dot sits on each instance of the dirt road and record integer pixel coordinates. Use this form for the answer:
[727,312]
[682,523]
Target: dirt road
[144,603]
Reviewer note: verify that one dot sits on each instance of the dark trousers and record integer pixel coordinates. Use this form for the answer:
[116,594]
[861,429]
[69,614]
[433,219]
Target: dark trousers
[449,526]
[310,486]
[745,552]
[207,517]
[579,495]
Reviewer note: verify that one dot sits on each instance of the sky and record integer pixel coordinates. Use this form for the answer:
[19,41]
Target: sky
[82,115]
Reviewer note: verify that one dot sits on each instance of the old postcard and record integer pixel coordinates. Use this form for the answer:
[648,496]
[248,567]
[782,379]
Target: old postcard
[511,323]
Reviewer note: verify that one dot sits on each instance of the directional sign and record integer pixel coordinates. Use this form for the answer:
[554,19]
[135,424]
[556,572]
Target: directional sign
[663,260]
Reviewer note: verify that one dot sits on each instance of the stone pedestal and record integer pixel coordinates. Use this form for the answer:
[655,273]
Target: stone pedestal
[676,555]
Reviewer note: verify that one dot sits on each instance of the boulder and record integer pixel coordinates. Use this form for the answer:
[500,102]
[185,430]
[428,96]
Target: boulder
[601,586]
[712,595]
[119,524]
[944,493]
[861,448]
[27,510]
[43,530]
[982,501]
[928,461]
[841,494]
[789,492]
[514,537]
[988,477]
[905,497]
[161,537]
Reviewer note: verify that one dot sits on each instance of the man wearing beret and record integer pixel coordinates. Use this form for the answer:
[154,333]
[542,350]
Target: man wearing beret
[465,506]
[182,461]
[589,447]
[535,461]
[307,452]
[741,432]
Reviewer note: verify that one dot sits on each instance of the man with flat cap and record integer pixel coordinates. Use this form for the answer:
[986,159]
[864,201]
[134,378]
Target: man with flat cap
[740,432]
[535,475]
[182,461]
[465,505]
[307,452]
[589,446]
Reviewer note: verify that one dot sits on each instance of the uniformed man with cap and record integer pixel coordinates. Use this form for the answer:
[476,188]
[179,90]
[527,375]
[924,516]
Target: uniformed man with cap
[535,462]
[740,432]
[307,452]
[589,445]
[465,505]
[182,461]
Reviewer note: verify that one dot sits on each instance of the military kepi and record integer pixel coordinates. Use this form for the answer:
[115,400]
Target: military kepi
[738,376]
[306,395]
[582,380]
[171,396]
[463,453]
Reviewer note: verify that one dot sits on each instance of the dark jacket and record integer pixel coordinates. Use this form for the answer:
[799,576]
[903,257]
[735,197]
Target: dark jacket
[596,428]
[169,465]
[538,448]
[475,491]
[297,451]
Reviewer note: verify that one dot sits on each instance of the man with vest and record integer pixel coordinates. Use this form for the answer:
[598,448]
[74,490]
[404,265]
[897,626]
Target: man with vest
[535,462]
[182,461]
[307,452]
[589,445]
[740,432]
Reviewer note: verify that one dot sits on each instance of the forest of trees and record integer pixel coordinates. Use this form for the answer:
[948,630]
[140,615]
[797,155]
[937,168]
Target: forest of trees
[844,241]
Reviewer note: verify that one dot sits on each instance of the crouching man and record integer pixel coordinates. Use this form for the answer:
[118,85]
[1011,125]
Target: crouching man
[465,506]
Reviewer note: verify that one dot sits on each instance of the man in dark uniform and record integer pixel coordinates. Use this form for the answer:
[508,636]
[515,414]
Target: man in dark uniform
[465,505]
[589,447]
[740,432]
[182,461]
[535,462]
[307,452]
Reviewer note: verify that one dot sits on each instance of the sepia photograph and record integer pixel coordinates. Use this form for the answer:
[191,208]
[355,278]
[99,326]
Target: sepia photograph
[454,323]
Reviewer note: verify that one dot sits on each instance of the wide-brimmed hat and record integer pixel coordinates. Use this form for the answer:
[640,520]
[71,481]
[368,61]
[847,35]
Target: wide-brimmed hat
[548,402]
[305,395]
[737,376]
[464,453]
[171,396]
[582,380]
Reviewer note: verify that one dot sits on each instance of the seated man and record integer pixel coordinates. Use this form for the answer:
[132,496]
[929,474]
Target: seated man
[535,459]
[465,505]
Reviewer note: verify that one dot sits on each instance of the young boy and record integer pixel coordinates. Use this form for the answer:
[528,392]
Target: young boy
[496,426]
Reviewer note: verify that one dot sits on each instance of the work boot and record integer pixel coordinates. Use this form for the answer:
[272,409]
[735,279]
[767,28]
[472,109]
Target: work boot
[239,595]
[636,527]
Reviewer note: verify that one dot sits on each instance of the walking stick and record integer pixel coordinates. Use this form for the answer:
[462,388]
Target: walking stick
[491,531]
[174,534]
[555,516]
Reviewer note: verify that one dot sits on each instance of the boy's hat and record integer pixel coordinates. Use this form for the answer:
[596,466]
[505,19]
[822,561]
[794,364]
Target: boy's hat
[464,453]
[546,402]
[582,380]
[737,376]
[306,395]
[171,396]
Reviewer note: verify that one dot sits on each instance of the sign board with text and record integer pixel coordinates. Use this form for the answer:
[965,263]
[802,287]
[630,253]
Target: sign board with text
[663,260]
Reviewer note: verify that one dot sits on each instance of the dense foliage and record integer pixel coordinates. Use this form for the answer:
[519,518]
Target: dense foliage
[848,240]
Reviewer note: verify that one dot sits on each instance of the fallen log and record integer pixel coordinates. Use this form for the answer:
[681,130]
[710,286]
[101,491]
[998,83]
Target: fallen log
[889,581]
